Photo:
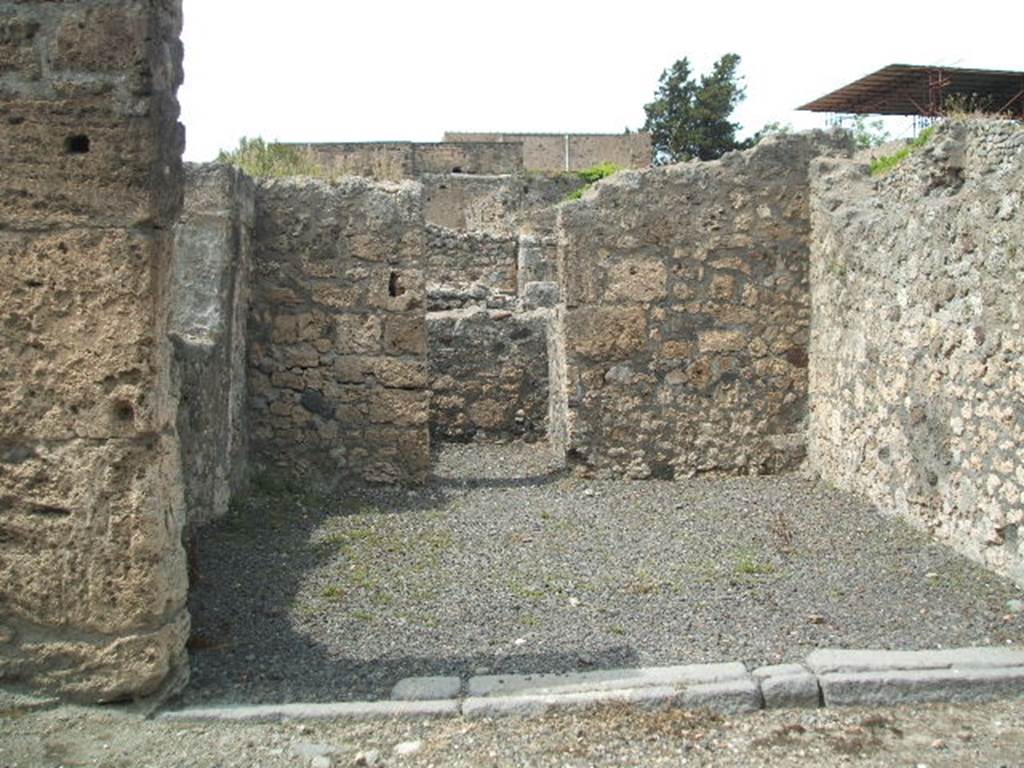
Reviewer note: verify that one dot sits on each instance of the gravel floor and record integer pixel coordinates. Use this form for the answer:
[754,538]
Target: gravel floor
[506,564]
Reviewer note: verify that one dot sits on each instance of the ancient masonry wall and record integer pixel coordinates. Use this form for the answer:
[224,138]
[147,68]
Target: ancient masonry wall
[337,350]
[394,160]
[687,315]
[209,311]
[917,382]
[489,374]
[464,259]
[570,152]
[92,570]
[489,203]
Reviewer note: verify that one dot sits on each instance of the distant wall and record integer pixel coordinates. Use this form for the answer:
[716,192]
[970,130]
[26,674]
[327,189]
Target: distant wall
[917,379]
[209,309]
[687,314]
[337,349]
[406,160]
[489,375]
[464,259]
[92,570]
[491,203]
[550,151]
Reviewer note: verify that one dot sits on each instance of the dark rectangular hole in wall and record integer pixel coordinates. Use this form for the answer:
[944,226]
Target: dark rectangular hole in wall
[77,144]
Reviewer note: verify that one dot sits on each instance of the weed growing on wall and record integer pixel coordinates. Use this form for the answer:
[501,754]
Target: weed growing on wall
[268,158]
[591,175]
[884,164]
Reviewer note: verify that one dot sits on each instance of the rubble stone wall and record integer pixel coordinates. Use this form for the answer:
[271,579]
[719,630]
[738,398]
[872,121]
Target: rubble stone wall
[209,312]
[92,569]
[687,314]
[337,349]
[489,374]
[463,259]
[489,203]
[916,373]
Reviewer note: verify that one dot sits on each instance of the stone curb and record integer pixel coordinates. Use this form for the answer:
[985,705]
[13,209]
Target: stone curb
[830,677]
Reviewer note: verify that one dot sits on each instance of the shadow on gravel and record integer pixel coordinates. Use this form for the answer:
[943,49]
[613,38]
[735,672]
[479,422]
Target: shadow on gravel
[505,564]
[252,572]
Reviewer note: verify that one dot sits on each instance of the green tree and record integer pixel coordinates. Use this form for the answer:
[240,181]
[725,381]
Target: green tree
[690,119]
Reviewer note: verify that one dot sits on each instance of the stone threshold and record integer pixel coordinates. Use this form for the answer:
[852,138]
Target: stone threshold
[828,677]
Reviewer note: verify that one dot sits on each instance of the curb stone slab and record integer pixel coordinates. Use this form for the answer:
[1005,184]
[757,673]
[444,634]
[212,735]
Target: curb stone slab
[788,686]
[893,687]
[606,680]
[827,660]
[352,710]
[536,704]
[426,688]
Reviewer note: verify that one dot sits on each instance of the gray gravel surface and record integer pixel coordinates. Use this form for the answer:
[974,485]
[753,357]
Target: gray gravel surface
[507,564]
[933,736]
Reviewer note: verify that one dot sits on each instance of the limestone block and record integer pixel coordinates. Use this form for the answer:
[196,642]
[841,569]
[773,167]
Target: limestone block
[636,280]
[405,335]
[101,669]
[91,532]
[106,38]
[79,330]
[18,45]
[78,162]
[605,333]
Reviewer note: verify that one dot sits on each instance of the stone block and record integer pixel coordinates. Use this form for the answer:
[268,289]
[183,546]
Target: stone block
[605,680]
[78,162]
[729,696]
[91,534]
[828,660]
[349,710]
[79,329]
[895,687]
[104,669]
[605,333]
[536,295]
[426,688]
[106,38]
[405,335]
[788,686]
[636,281]
[538,704]
[719,340]
[19,52]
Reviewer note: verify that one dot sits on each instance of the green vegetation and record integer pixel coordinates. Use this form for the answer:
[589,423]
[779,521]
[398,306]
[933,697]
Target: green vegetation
[591,175]
[689,119]
[867,134]
[884,164]
[269,158]
[747,564]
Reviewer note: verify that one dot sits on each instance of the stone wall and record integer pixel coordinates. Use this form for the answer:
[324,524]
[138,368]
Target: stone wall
[337,349]
[92,570]
[570,152]
[489,374]
[687,314]
[394,160]
[917,380]
[209,309]
[464,259]
[488,203]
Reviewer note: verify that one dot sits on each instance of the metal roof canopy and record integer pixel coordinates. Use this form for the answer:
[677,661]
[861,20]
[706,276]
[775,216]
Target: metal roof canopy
[903,89]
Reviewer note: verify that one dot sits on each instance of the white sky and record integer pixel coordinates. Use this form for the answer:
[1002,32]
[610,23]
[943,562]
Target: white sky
[330,70]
